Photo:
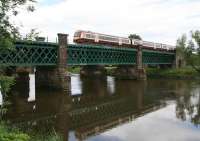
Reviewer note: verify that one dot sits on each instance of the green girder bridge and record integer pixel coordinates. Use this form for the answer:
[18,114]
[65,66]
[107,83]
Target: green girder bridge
[32,54]
[50,60]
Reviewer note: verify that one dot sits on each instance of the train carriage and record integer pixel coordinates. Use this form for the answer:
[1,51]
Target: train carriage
[88,37]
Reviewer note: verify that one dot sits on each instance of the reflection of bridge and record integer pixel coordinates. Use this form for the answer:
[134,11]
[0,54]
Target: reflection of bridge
[51,59]
[119,119]
[94,119]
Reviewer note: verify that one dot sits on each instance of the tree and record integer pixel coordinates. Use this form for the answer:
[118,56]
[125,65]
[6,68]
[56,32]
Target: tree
[134,36]
[196,38]
[8,34]
[33,35]
[187,49]
[8,31]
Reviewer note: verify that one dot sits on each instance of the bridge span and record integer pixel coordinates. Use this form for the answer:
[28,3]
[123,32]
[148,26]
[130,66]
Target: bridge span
[51,59]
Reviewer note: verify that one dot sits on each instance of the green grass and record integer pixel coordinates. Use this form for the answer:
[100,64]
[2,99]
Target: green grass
[8,133]
[74,69]
[183,73]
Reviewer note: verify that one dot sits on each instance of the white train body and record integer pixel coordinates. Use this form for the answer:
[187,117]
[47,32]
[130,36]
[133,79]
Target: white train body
[97,38]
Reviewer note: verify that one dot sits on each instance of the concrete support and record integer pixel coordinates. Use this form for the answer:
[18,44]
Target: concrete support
[90,71]
[179,61]
[140,71]
[131,71]
[126,72]
[56,77]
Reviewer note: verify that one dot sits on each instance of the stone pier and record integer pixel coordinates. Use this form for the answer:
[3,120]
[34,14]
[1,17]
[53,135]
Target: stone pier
[132,71]
[90,71]
[140,70]
[56,77]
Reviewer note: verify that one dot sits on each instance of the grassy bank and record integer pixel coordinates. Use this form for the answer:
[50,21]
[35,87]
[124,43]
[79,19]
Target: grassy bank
[74,69]
[8,133]
[183,73]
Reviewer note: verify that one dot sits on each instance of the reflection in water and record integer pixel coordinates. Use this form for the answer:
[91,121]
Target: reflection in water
[1,97]
[105,109]
[31,87]
[111,84]
[188,106]
[75,84]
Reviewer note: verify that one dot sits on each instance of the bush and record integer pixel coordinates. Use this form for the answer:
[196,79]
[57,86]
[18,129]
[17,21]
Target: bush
[183,73]
[8,134]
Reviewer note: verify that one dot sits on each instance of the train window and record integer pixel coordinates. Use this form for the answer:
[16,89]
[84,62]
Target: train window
[91,36]
[77,34]
[125,41]
[149,44]
[108,38]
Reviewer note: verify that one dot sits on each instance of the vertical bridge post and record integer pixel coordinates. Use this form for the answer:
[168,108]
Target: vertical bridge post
[62,61]
[140,70]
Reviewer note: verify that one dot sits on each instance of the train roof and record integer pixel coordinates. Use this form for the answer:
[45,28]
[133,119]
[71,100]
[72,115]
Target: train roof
[101,34]
[122,37]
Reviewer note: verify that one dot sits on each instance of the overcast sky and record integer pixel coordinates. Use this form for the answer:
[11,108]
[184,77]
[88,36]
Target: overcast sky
[154,20]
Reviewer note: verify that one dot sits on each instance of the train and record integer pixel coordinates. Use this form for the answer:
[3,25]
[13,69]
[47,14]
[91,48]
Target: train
[88,37]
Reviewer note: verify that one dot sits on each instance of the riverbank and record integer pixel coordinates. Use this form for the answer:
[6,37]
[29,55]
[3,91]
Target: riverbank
[183,73]
[9,133]
[170,73]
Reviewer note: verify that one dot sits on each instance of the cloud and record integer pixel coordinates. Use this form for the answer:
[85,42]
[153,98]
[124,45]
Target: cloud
[155,20]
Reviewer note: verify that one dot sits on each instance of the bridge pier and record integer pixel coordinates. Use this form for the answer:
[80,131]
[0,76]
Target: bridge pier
[90,71]
[179,61]
[132,71]
[56,77]
[140,70]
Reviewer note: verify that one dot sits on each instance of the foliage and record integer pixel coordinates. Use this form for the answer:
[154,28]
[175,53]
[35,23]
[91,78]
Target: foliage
[181,44]
[10,134]
[74,69]
[32,35]
[134,36]
[5,84]
[8,34]
[8,31]
[187,48]
[182,73]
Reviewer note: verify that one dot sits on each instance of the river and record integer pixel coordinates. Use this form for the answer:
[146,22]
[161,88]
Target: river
[108,109]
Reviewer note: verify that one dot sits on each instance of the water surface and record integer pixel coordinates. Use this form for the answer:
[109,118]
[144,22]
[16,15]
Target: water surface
[115,110]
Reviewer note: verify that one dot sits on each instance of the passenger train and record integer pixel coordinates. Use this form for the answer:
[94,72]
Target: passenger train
[88,37]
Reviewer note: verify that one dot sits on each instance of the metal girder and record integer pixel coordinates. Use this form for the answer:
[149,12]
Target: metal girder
[46,54]
[157,57]
[100,55]
[29,54]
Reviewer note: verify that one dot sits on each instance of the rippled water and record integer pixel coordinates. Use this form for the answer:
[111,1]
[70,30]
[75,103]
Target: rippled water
[115,110]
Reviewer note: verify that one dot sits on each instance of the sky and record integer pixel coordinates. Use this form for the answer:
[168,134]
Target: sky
[154,20]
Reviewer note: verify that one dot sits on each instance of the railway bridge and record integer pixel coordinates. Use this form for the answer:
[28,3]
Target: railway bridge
[52,59]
